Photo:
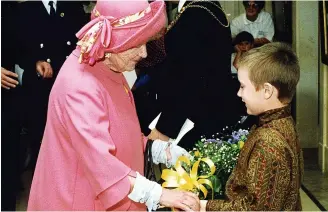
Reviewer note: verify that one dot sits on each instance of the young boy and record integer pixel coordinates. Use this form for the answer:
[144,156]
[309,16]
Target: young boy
[270,166]
[244,42]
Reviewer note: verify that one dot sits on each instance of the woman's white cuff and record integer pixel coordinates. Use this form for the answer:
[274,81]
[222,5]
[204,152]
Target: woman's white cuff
[146,191]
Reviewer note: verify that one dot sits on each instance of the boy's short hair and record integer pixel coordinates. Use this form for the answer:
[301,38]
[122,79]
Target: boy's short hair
[275,63]
[244,36]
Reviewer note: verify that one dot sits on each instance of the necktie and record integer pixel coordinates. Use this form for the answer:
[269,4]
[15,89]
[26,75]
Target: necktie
[52,9]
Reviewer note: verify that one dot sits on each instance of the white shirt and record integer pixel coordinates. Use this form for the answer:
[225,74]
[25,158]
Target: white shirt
[233,69]
[261,27]
[47,6]
[181,3]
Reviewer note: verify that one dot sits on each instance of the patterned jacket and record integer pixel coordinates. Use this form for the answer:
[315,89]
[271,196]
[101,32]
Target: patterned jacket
[269,170]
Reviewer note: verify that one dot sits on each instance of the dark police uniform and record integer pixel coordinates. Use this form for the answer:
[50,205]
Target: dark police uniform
[40,36]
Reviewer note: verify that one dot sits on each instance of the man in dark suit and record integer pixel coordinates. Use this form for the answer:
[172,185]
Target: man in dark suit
[44,37]
[37,36]
[194,81]
[10,117]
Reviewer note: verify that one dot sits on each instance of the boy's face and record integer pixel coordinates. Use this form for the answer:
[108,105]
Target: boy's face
[253,99]
[245,46]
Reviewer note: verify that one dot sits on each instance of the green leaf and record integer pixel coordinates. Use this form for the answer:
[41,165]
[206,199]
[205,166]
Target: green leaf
[216,183]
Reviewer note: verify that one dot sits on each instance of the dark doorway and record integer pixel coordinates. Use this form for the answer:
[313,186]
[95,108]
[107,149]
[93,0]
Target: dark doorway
[282,18]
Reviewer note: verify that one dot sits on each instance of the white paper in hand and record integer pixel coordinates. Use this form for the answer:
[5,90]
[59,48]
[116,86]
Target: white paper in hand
[131,77]
[19,71]
[186,127]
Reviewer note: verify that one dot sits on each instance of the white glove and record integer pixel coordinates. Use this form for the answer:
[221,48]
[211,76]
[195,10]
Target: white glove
[176,151]
[159,152]
[146,191]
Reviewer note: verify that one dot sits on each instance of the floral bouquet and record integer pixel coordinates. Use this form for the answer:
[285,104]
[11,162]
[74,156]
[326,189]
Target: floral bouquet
[223,151]
[210,165]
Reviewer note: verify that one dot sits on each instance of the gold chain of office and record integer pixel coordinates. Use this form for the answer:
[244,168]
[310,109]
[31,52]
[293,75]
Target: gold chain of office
[191,5]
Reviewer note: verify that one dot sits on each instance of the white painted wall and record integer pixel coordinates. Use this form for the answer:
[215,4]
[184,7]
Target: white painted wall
[323,134]
[305,42]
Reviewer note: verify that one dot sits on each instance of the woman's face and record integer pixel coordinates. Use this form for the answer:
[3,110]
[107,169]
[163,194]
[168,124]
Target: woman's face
[127,60]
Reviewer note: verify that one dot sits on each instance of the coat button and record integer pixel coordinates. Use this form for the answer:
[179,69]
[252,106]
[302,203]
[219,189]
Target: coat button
[68,43]
[66,57]
[48,60]
[41,45]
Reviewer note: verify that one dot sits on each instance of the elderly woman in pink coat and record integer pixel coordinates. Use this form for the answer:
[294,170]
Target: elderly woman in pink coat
[92,150]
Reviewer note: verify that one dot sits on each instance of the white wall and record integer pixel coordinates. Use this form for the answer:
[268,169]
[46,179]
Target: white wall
[305,42]
[323,135]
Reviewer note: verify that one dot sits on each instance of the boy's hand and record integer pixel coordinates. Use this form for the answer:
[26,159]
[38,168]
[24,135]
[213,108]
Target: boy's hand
[186,201]
[203,204]
[238,50]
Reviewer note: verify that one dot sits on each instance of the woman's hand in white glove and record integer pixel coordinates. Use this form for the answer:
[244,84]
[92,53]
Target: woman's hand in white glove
[167,152]
[152,195]
[173,153]
[186,201]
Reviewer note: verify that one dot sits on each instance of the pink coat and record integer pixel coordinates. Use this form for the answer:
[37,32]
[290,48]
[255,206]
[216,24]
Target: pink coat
[91,143]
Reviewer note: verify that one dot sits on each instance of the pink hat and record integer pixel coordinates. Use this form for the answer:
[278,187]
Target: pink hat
[117,26]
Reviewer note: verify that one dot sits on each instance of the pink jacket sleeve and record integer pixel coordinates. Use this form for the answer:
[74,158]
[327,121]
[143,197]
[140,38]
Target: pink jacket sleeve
[88,126]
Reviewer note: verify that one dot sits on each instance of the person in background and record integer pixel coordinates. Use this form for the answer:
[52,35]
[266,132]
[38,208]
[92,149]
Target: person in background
[144,90]
[269,171]
[243,42]
[255,21]
[195,75]
[88,6]
[92,152]
[10,112]
[43,36]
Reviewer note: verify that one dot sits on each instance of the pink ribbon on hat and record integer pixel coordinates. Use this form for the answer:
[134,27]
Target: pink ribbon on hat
[93,48]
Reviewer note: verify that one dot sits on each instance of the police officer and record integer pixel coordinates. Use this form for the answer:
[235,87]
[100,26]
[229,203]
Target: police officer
[44,37]
[10,117]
